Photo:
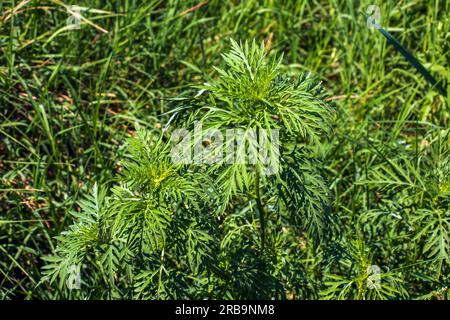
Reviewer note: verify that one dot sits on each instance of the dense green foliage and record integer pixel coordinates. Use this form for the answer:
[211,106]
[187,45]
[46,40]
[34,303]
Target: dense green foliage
[357,207]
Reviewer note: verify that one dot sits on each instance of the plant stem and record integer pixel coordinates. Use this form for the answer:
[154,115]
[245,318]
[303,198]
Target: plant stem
[261,211]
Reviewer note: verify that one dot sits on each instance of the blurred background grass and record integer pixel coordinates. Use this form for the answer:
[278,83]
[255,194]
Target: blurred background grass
[70,97]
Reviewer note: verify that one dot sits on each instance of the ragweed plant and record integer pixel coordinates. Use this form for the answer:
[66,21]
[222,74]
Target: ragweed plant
[223,228]
[417,200]
[127,239]
[290,116]
[363,280]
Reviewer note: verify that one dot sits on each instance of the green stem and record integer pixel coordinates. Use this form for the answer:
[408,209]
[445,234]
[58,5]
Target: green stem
[261,210]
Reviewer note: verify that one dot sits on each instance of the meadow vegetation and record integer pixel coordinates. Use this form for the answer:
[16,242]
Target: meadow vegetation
[360,206]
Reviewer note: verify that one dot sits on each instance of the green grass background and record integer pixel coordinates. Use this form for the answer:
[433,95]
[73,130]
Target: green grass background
[70,98]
